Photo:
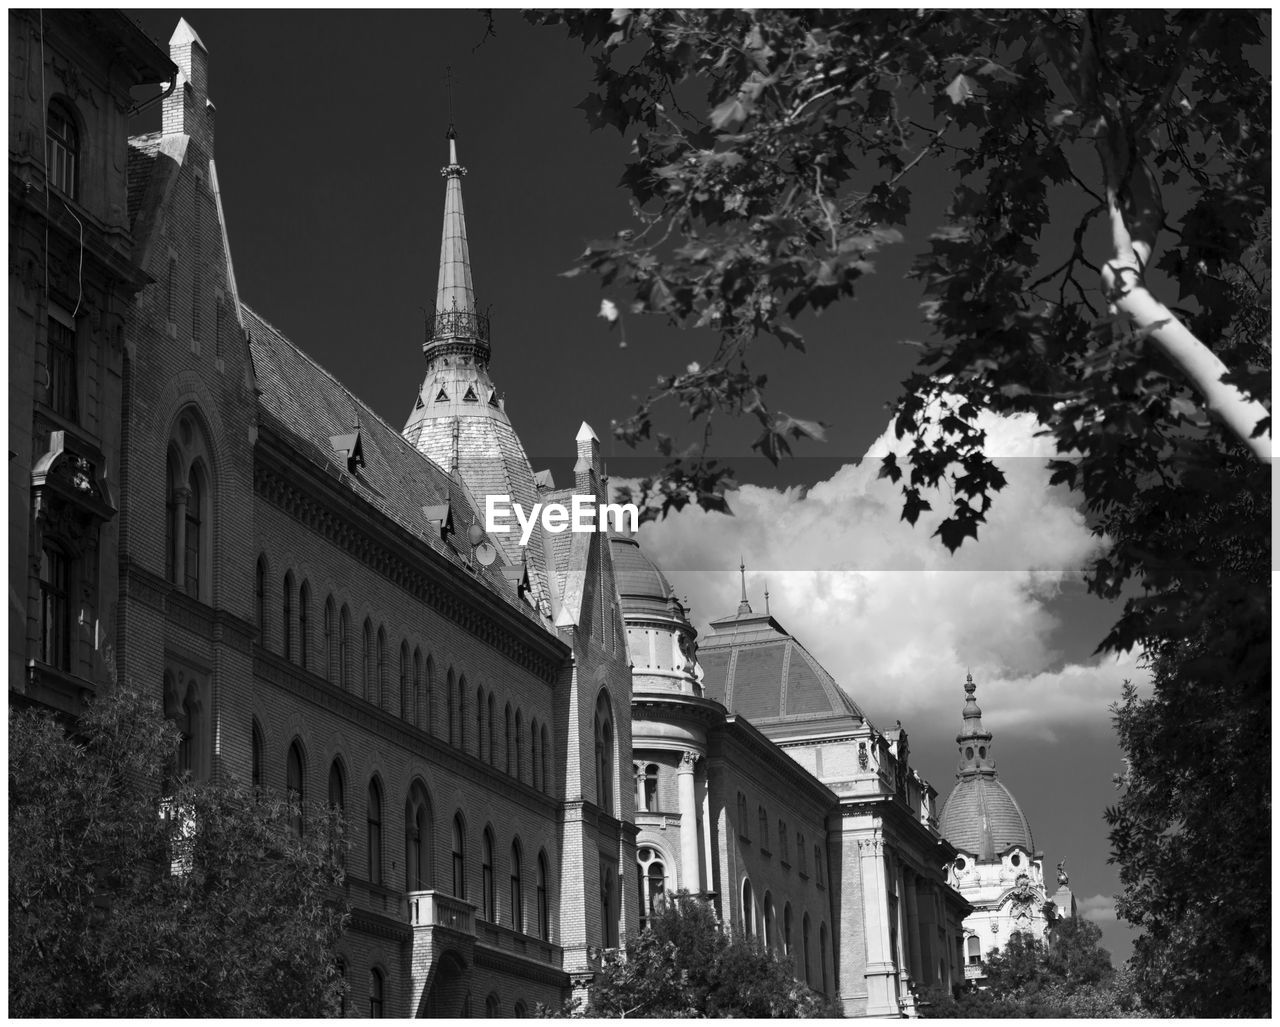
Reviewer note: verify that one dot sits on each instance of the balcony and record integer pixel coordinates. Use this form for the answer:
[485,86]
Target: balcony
[435,909]
[974,972]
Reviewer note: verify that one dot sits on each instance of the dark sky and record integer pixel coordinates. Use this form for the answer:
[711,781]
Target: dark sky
[330,136]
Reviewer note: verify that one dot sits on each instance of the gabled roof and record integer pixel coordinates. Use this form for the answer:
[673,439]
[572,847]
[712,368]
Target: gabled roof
[310,407]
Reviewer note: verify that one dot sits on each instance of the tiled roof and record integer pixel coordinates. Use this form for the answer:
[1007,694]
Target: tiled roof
[983,818]
[755,667]
[142,158]
[311,407]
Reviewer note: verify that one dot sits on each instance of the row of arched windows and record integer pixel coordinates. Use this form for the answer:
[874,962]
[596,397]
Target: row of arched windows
[362,664]
[762,921]
[517,911]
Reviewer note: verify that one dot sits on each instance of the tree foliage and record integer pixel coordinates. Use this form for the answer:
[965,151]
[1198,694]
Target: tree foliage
[132,894]
[776,151]
[684,965]
[1071,976]
[1093,158]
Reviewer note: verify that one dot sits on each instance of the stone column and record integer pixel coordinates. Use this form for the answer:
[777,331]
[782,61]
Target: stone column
[689,876]
[882,991]
[915,964]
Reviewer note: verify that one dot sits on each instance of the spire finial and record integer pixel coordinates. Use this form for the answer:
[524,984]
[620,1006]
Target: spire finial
[743,605]
[766,598]
[448,89]
[974,740]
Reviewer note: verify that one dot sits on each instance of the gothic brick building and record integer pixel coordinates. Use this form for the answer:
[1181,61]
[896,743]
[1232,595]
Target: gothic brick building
[197,506]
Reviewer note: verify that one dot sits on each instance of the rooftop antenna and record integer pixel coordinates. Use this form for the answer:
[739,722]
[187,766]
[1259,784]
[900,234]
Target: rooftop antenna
[448,88]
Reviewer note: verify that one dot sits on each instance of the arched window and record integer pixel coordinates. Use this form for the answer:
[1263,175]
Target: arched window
[517,887]
[330,642]
[260,598]
[452,707]
[519,746]
[462,713]
[604,754]
[338,800]
[380,682]
[259,748]
[304,622]
[769,929]
[286,619]
[509,750]
[337,787]
[804,941]
[194,540]
[406,696]
[426,686]
[748,909]
[487,909]
[784,842]
[367,668]
[294,779]
[544,907]
[491,1007]
[459,857]
[822,953]
[374,834]
[417,839]
[480,722]
[344,648]
[801,856]
[375,993]
[521,1010]
[818,873]
[546,760]
[763,819]
[653,883]
[786,929]
[62,150]
[492,758]
[534,765]
[55,607]
[743,831]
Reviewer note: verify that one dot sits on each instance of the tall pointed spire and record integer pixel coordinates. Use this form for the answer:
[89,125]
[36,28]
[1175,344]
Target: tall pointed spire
[455,326]
[743,605]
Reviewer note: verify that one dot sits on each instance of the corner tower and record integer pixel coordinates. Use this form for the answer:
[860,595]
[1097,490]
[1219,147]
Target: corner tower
[459,420]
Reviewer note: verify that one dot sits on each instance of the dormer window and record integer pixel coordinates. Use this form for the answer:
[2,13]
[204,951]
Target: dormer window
[349,449]
[62,150]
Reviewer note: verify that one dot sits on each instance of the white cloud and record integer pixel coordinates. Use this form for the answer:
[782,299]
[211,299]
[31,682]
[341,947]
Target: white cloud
[897,619]
[1100,909]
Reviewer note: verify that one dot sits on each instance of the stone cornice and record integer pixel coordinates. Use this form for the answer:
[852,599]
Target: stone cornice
[520,966]
[380,926]
[369,536]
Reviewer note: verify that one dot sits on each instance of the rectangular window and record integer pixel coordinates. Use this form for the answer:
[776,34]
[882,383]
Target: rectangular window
[61,144]
[64,381]
[55,622]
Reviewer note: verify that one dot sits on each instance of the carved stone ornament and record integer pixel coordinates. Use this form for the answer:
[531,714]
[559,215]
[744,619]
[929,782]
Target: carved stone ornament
[863,759]
[688,759]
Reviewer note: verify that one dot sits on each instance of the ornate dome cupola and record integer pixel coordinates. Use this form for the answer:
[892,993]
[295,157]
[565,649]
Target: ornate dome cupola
[974,740]
[981,816]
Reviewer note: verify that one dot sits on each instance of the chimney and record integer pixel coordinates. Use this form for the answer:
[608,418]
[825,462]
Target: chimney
[586,472]
[188,110]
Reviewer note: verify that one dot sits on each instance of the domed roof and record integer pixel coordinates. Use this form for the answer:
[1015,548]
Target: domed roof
[980,815]
[642,587]
[983,818]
